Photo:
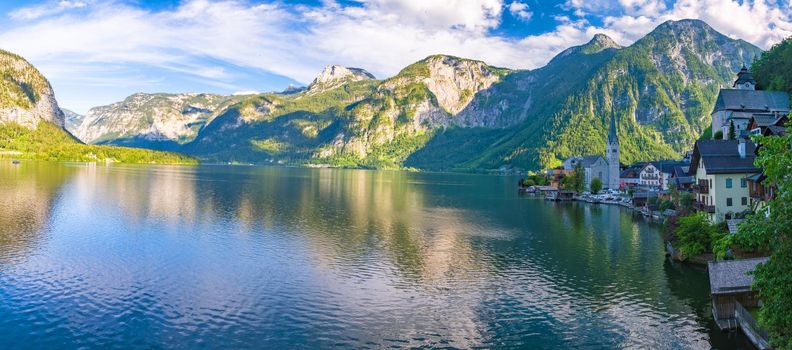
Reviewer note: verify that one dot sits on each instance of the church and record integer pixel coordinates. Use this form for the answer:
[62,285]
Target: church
[736,106]
[607,168]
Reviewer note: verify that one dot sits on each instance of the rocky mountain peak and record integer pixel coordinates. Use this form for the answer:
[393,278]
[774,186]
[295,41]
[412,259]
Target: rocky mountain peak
[334,75]
[27,96]
[600,42]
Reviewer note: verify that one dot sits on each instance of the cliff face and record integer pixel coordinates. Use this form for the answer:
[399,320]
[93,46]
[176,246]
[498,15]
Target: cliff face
[150,117]
[26,97]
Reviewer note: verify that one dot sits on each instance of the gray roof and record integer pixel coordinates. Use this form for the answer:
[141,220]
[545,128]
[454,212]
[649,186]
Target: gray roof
[731,276]
[667,166]
[751,100]
[765,119]
[722,157]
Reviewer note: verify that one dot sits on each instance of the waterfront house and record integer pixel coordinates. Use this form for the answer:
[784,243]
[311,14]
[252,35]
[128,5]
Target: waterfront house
[721,169]
[641,199]
[556,175]
[733,297]
[738,105]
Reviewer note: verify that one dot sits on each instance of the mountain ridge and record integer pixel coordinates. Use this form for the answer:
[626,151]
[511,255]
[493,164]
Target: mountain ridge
[451,113]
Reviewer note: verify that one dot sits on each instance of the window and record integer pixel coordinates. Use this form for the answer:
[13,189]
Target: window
[728,202]
[729,183]
[744,200]
[743,183]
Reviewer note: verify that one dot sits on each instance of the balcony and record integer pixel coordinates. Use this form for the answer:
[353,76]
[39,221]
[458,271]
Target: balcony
[702,187]
[700,206]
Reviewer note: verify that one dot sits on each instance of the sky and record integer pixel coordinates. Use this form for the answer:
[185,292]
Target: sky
[96,52]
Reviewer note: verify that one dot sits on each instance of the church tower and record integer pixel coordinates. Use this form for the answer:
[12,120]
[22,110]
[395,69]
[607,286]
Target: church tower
[612,156]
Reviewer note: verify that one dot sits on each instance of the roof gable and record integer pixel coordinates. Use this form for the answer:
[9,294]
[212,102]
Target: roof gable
[732,276]
[722,157]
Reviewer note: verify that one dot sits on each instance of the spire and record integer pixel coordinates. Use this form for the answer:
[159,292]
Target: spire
[612,135]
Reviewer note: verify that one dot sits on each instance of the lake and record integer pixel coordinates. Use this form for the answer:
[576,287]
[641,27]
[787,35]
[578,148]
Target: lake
[95,256]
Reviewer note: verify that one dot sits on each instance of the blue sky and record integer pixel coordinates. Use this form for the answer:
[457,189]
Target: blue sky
[97,52]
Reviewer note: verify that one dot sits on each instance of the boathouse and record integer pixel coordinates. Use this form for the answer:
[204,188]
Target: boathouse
[733,297]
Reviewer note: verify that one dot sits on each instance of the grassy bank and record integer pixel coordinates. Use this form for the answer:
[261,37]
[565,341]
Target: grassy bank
[49,142]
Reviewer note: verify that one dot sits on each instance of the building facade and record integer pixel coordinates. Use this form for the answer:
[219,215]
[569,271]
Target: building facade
[721,170]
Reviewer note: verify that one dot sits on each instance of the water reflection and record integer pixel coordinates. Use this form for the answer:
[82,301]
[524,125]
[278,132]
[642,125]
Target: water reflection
[280,257]
[27,194]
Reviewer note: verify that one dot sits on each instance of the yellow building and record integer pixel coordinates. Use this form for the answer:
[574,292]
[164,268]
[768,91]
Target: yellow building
[721,171]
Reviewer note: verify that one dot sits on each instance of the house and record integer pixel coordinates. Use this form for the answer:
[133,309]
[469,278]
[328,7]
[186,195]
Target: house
[759,191]
[557,175]
[721,169]
[738,105]
[641,199]
[594,167]
[630,176]
[666,170]
[680,177]
[649,177]
[733,296]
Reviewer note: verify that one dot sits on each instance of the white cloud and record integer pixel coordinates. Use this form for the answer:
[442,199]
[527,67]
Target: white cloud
[520,10]
[48,9]
[200,37]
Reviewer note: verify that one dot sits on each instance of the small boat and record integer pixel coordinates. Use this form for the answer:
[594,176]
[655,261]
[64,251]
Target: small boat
[15,161]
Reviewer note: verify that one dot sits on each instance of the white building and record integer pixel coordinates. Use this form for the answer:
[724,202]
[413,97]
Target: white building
[739,104]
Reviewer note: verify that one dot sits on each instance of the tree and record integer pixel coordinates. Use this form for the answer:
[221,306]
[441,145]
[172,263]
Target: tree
[772,232]
[695,234]
[685,201]
[578,178]
[718,135]
[773,71]
[596,185]
[732,132]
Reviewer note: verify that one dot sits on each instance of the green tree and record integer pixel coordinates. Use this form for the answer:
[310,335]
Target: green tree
[732,132]
[718,135]
[685,201]
[773,71]
[578,178]
[596,185]
[695,234]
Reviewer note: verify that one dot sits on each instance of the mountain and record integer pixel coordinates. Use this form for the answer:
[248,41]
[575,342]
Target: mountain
[32,124]
[450,113]
[334,76]
[661,88]
[26,97]
[158,121]
[71,120]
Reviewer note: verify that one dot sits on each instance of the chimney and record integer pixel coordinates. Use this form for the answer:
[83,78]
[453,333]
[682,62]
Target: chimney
[741,148]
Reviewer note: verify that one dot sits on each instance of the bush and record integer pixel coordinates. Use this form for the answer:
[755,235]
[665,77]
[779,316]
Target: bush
[719,135]
[596,185]
[695,234]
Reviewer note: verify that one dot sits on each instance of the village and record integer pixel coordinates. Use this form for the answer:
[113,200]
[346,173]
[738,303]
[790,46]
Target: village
[715,186]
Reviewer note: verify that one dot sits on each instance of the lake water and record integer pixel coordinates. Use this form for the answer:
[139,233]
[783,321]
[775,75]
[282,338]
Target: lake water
[244,257]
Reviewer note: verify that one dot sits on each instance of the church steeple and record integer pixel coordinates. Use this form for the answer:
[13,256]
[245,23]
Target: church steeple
[612,154]
[745,80]
[613,137]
